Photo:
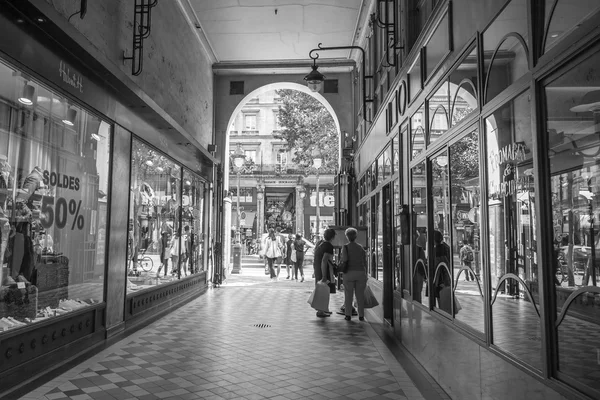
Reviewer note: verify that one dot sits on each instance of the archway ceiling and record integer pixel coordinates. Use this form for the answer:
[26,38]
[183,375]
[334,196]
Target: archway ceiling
[275,36]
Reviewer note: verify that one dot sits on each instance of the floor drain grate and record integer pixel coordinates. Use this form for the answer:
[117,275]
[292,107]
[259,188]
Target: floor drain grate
[261,326]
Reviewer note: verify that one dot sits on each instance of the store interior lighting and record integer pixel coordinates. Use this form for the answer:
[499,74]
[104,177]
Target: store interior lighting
[70,118]
[27,97]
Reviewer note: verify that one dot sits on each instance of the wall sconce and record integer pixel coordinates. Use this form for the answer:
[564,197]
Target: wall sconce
[70,118]
[27,97]
[315,79]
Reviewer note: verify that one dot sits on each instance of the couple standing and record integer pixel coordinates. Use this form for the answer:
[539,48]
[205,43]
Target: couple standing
[355,277]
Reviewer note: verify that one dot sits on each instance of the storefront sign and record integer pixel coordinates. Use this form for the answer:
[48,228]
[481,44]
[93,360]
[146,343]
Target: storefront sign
[506,184]
[69,77]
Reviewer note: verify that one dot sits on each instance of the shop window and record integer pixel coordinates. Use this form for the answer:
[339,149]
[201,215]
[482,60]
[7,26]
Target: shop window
[438,47]
[438,104]
[505,49]
[417,132]
[466,243]
[399,280]
[378,229]
[419,272]
[192,220]
[387,163]
[414,79]
[441,253]
[155,251]
[396,150]
[462,87]
[54,174]
[564,17]
[374,175]
[573,128]
[512,236]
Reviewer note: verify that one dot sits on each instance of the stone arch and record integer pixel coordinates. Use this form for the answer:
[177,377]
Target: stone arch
[267,88]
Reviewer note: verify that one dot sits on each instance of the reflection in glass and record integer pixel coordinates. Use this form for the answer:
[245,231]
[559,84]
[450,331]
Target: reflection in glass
[465,201]
[510,61]
[379,230]
[564,16]
[54,174]
[512,234]
[437,47]
[462,86]
[155,208]
[420,272]
[414,78]
[417,132]
[441,268]
[573,126]
[439,105]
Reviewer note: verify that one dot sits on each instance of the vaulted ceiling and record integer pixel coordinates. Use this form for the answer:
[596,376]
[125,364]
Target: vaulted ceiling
[277,34]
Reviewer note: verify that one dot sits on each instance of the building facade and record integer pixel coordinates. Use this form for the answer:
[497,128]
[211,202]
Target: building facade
[274,191]
[476,179]
[94,195]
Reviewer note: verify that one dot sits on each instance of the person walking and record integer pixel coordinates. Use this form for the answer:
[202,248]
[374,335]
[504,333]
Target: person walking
[355,277]
[281,242]
[300,246]
[272,252]
[322,262]
[289,264]
[466,258]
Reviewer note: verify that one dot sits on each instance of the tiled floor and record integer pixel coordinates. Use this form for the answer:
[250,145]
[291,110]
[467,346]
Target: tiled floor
[248,339]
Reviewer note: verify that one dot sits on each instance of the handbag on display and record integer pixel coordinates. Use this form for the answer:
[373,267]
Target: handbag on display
[370,299]
[319,298]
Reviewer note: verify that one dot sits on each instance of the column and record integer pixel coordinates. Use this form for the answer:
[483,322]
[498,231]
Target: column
[300,195]
[260,211]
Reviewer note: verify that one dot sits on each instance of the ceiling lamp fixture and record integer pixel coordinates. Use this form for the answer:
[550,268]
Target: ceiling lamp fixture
[27,97]
[315,79]
[70,118]
[96,137]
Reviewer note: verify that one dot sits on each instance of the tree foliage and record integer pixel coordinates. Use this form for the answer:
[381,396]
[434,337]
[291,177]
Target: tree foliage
[307,127]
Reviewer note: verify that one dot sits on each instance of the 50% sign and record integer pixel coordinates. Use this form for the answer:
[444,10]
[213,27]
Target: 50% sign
[56,213]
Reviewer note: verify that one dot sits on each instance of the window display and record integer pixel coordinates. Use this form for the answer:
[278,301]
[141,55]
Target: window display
[166,219]
[155,205]
[54,169]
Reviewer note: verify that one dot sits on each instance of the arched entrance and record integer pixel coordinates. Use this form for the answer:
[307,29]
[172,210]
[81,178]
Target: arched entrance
[272,189]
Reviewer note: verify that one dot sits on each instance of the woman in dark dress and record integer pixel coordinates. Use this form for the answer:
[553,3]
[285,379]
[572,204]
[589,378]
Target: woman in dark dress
[300,246]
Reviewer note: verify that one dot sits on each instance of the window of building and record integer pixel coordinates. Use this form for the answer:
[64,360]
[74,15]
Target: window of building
[282,157]
[155,228]
[414,79]
[573,128]
[505,49]
[276,122]
[462,86]
[250,155]
[466,231]
[564,16]
[512,236]
[439,106]
[417,132]
[419,272]
[250,122]
[54,190]
[438,47]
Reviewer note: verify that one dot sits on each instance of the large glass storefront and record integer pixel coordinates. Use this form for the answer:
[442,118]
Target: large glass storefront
[54,174]
[165,219]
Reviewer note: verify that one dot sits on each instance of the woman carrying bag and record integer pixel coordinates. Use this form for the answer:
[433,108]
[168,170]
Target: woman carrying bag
[272,252]
[354,261]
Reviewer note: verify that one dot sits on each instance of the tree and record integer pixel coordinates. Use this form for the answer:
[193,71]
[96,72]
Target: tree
[307,126]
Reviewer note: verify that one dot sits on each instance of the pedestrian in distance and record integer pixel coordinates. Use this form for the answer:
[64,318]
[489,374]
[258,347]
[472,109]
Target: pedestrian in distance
[466,259]
[355,276]
[300,247]
[289,264]
[322,262]
[273,251]
[280,260]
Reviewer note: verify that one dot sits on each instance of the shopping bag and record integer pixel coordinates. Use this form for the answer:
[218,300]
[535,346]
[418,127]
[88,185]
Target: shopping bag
[319,298]
[370,299]
[293,256]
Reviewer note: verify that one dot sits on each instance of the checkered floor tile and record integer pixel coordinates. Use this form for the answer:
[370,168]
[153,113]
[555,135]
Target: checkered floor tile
[248,339]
